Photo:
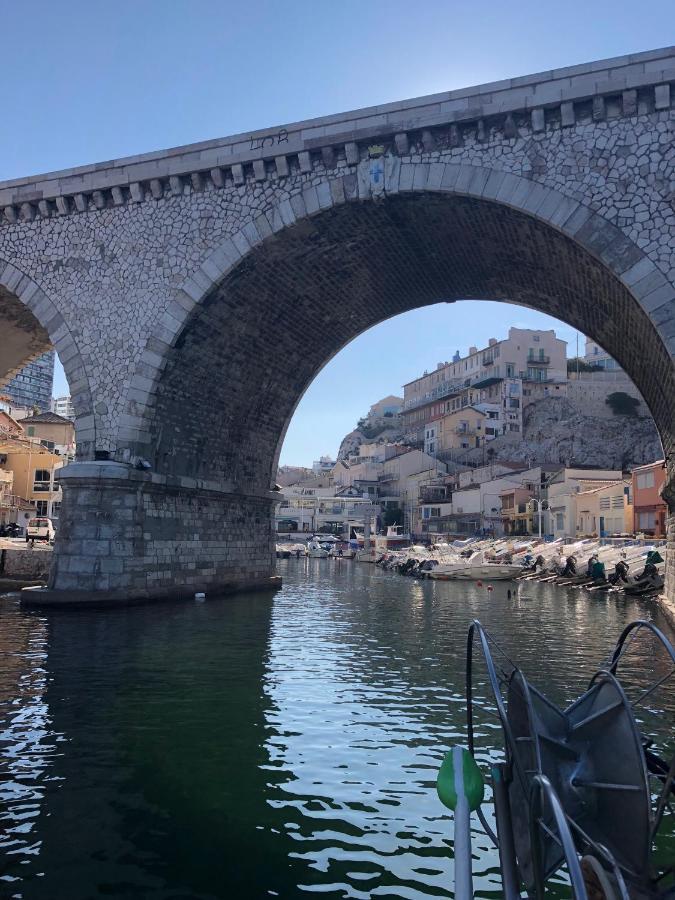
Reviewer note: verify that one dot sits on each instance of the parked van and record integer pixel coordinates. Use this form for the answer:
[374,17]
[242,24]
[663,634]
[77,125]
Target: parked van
[40,529]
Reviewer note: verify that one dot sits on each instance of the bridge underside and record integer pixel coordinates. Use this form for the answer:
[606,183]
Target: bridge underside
[23,338]
[200,517]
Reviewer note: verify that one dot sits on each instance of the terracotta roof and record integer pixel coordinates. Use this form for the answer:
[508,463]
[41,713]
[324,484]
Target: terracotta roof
[47,418]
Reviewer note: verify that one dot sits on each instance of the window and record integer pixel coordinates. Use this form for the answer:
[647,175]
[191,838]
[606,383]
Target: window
[604,503]
[617,502]
[56,509]
[435,512]
[41,508]
[559,521]
[646,520]
[535,338]
[510,370]
[431,448]
[31,431]
[645,480]
[48,444]
[42,479]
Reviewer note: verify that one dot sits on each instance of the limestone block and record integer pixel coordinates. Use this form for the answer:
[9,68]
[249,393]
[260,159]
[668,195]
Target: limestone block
[352,153]
[281,164]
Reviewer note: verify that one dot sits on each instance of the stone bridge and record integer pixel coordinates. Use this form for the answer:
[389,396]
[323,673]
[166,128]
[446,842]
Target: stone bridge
[193,294]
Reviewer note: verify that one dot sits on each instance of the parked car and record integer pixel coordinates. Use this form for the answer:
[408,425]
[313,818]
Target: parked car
[11,529]
[40,529]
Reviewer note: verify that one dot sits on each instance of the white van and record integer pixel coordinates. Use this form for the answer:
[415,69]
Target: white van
[40,529]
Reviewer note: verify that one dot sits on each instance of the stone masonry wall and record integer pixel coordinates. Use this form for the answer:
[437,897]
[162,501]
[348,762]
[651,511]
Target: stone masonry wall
[125,537]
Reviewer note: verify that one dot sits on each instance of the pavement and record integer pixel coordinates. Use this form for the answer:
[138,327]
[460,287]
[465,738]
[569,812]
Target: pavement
[20,544]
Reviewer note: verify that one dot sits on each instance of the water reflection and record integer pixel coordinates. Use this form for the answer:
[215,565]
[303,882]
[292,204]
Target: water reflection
[262,745]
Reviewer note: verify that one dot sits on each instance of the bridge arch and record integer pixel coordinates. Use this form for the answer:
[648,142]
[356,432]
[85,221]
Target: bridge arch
[31,324]
[325,265]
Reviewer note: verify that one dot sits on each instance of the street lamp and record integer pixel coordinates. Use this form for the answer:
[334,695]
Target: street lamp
[538,506]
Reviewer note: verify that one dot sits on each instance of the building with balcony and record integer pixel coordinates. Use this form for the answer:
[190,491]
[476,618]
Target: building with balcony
[649,508]
[525,354]
[461,429]
[594,355]
[34,471]
[63,406]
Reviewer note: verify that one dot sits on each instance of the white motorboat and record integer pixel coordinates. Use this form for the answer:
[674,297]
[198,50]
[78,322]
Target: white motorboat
[476,568]
[316,551]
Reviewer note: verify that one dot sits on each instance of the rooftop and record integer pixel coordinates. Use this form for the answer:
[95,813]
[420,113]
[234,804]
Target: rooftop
[47,418]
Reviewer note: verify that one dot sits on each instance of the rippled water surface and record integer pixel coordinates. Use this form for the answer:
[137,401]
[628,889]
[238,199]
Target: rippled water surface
[264,745]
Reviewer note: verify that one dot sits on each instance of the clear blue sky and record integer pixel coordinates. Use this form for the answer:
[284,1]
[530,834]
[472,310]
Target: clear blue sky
[85,82]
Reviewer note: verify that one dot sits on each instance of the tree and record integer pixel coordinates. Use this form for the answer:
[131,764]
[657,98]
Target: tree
[576,364]
[622,404]
[393,515]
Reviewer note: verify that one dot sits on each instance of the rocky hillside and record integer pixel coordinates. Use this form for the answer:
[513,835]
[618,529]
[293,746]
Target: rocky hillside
[353,440]
[554,431]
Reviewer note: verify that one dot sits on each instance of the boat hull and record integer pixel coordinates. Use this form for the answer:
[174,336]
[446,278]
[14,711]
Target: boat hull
[478,573]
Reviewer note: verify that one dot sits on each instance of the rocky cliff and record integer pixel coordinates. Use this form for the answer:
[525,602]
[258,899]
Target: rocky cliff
[555,431]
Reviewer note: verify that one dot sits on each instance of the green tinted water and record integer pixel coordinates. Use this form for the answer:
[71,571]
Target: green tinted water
[263,745]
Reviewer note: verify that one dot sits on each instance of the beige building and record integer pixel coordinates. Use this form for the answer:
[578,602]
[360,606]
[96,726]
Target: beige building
[528,354]
[33,469]
[562,492]
[461,429]
[54,432]
[386,407]
[605,510]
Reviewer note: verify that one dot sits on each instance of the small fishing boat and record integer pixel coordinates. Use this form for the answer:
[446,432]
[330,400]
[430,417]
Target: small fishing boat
[315,550]
[476,567]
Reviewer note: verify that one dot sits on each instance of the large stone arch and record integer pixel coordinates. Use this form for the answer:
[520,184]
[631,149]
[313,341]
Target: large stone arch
[188,488]
[32,325]
[642,295]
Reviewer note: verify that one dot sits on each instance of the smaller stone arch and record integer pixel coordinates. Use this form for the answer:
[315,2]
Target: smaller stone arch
[16,284]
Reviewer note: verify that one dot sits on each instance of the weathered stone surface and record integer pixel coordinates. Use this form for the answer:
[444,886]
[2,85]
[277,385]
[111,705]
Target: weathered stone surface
[180,282]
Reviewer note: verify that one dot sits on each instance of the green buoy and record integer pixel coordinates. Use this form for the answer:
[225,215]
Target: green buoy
[459,761]
[460,787]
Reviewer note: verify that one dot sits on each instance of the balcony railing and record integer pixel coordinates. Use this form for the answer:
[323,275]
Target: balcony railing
[538,360]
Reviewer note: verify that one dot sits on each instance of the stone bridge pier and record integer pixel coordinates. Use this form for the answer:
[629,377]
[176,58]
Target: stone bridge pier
[193,294]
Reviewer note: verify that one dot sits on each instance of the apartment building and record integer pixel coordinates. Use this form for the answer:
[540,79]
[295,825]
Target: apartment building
[562,492]
[649,508]
[607,510]
[594,355]
[32,386]
[53,431]
[63,406]
[498,375]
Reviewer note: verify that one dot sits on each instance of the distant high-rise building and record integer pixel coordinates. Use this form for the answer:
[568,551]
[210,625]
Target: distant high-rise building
[63,406]
[33,385]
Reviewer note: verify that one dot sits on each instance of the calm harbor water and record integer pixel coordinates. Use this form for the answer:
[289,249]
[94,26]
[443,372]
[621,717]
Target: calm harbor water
[264,745]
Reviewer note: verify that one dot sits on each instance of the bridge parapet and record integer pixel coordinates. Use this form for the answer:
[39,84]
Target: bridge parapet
[626,86]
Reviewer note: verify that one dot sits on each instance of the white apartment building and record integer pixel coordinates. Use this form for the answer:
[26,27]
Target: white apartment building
[322,465]
[563,491]
[63,406]
[595,356]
